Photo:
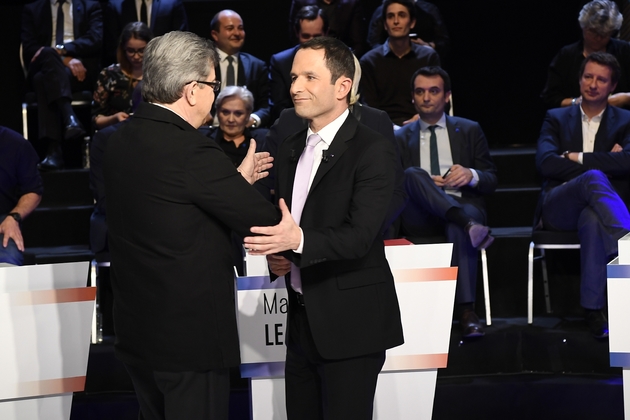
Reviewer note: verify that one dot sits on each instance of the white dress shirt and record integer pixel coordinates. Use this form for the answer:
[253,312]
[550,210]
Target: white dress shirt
[68,29]
[149,8]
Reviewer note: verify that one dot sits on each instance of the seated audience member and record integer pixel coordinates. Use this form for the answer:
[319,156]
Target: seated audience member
[583,155]
[430,28]
[161,16]
[236,68]
[21,190]
[116,83]
[345,17]
[599,20]
[234,105]
[61,47]
[310,22]
[388,68]
[448,170]
[289,123]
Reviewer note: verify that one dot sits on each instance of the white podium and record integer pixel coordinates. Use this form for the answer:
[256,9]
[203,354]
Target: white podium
[425,284]
[618,315]
[45,319]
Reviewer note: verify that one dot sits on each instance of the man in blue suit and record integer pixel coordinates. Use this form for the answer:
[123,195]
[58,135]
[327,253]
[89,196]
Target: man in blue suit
[583,155]
[161,16]
[448,171]
[236,68]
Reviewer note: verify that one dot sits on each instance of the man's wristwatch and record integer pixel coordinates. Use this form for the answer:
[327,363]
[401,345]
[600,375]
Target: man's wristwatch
[16,216]
[61,49]
[565,154]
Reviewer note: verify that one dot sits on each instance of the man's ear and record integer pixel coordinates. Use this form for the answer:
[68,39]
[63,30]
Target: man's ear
[344,87]
[215,35]
[413,24]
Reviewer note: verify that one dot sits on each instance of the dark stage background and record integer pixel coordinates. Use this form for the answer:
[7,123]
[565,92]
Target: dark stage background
[498,62]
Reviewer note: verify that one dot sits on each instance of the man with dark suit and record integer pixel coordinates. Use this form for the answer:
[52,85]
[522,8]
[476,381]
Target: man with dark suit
[60,64]
[161,16]
[238,68]
[173,198]
[309,22]
[583,155]
[448,170]
[343,309]
[346,19]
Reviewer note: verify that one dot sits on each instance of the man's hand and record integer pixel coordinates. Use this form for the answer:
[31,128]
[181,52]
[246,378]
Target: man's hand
[438,180]
[11,229]
[251,123]
[281,237]
[619,99]
[420,41]
[412,119]
[76,67]
[255,166]
[616,148]
[278,265]
[458,177]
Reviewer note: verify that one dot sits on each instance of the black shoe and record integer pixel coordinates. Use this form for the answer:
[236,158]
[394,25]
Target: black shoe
[74,129]
[479,234]
[51,163]
[597,323]
[471,326]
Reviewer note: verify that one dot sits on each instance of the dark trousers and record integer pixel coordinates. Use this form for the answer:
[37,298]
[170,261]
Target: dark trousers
[318,388]
[52,80]
[425,215]
[181,395]
[590,205]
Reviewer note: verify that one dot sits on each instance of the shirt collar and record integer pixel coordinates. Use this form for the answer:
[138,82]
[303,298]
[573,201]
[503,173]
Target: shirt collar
[441,123]
[596,119]
[329,132]
[54,2]
[223,55]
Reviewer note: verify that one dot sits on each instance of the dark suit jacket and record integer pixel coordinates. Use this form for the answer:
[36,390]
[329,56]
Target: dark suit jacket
[346,21]
[289,123]
[348,287]
[562,131]
[280,81]
[252,73]
[166,16]
[173,198]
[469,148]
[88,31]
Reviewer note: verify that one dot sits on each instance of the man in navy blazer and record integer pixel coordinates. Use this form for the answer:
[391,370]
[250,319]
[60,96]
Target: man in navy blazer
[58,67]
[343,308]
[163,16]
[446,191]
[310,22]
[583,155]
[228,33]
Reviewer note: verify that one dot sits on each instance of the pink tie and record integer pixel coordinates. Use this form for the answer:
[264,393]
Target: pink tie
[300,192]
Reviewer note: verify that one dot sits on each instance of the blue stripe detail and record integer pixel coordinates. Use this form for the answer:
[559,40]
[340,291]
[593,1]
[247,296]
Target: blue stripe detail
[262,370]
[620,359]
[616,271]
[258,283]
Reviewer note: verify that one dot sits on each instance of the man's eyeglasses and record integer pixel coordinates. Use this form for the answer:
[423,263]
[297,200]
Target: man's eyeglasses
[133,51]
[216,85]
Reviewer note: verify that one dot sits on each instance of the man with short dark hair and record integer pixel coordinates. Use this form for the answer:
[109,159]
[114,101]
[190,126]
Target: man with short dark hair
[448,171]
[310,22]
[337,176]
[238,68]
[583,155]
[173,199]
[388,68]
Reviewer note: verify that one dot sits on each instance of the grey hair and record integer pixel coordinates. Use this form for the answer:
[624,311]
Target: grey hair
[173,60]
[354,92]
[240,92]
[602,16]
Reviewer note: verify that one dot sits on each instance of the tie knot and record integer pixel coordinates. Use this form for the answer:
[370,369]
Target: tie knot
[230,59]
[432,128]
[313,140]
[61,2]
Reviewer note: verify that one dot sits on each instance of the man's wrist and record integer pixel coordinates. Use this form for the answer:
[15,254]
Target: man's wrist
[15,216]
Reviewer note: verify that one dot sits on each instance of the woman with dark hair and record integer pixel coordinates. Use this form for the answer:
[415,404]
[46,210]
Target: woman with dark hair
[112,99]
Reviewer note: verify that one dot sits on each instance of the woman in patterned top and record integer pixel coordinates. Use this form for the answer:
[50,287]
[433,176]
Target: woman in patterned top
[114,87]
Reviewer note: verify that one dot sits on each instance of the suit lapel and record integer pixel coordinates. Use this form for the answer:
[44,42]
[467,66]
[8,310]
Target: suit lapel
[77,15]
[336,149]
[47,22]
[414,144]
[241,77]
[454,139]
[155,9]
[602,141]
[575,129]
[292,148]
